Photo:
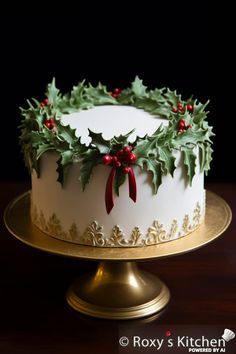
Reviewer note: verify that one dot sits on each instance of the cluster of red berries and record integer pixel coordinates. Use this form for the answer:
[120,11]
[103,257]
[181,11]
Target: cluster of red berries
[182,127]
[116,92]
[181,109]
[44,103]
[50,123]
[123,157]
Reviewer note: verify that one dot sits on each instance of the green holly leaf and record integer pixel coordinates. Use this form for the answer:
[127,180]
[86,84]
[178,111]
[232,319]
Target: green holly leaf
[200,107]
[119,141]
[99,142]
[77,99]
[166,156]
[157,95]
[65,106]
[148,145]
[77,93]
[33,118]
[152,106]
[207,131]
[119,180]
[146,103]
[202,156]
[154,167]
[86,172]
[66,159]
[138,88]
[91,158]
[68,105]
[99,95]
[199,114]
[190,136]
[162,111]
[53,93]
[126,97]
[31,108]
[205,155]
[199,117]
[190,162]
[37,138]
[172,98]
[146,148]
[208,158]
[67,134]
[42,149]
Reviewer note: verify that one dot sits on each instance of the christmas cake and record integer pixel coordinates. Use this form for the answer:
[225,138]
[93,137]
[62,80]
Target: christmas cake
[121,168]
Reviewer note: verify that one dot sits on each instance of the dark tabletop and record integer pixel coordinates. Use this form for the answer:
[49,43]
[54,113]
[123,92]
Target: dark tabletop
[35,318]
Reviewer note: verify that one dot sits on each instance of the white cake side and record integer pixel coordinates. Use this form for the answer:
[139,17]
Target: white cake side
[80,216]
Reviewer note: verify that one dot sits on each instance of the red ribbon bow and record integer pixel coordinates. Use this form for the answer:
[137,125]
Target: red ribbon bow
[126,157]
[109,195]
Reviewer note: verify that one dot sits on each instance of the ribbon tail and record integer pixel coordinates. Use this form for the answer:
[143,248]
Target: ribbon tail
[132,185]
[109,197]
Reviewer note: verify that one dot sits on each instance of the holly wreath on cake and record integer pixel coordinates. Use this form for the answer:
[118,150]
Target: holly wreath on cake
[120,168]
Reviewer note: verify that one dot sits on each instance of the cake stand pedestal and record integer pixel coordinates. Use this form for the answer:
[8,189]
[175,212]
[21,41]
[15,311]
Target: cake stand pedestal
[117,289]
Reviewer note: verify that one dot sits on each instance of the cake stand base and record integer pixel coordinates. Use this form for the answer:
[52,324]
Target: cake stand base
[118,290]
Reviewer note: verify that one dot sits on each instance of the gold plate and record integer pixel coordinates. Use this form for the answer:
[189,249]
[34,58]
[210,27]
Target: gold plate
[17,220]
[117,289]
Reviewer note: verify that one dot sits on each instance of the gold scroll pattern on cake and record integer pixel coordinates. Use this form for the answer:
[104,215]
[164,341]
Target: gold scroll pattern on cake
[94,236]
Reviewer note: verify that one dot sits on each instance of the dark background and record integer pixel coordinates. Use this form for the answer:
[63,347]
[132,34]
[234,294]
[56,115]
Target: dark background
[178,45]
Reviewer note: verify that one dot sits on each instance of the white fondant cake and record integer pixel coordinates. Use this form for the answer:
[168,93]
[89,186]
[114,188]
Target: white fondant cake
[116,169]
[80,216]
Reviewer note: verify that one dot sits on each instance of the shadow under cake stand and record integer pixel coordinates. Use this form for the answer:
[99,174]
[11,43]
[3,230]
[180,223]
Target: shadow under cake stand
[118,289]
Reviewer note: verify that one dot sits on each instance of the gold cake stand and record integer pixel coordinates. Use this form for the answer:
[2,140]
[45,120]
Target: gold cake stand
[118,289]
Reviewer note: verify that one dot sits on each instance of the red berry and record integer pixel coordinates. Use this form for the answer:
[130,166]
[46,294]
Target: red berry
[46,101]
[132,157]
[189,108]
[120,154]
[127,149]
[107,159]
[42,104]
[181,124]
[116,92]
[126,169]
[182,110]
[179,105]
[48,124]
[175,109]
[114,159]
[189,126]
[117,163]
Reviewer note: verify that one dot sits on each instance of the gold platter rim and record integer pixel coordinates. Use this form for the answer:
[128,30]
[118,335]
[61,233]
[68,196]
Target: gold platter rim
[18,223]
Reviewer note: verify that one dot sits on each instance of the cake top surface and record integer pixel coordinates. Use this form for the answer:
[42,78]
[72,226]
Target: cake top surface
[112,121]
[118,128]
